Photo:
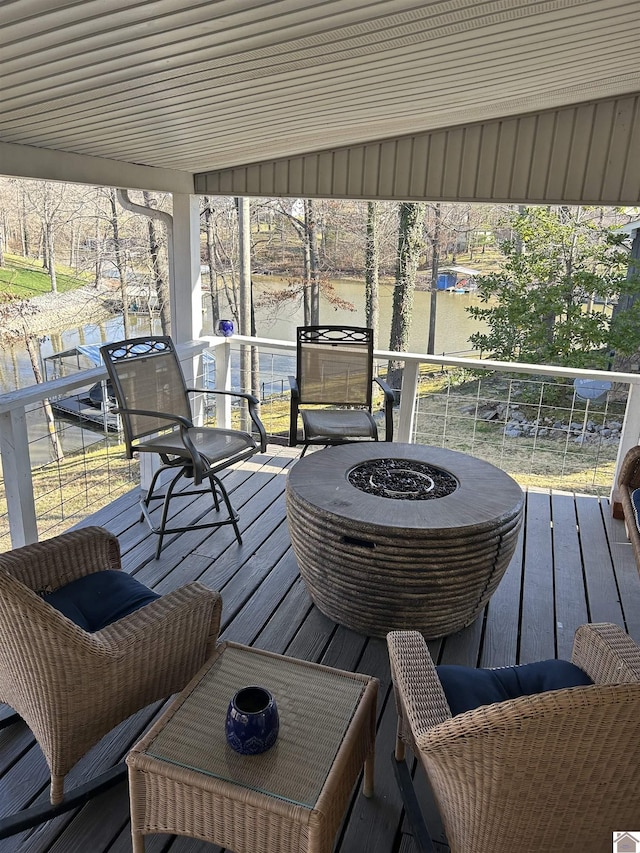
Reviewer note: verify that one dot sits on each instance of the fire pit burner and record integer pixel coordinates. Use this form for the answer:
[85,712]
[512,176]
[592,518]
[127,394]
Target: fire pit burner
[402,479]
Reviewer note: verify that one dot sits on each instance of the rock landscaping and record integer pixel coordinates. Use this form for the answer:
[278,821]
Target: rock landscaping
[516,425]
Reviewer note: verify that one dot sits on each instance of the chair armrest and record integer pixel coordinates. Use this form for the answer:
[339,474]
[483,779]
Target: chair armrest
[629,475]
[245,396]
[188,610]
[52,563]
[294,407]
[389,401]
[253,403]
[606,653]
[420,699]
[93,681]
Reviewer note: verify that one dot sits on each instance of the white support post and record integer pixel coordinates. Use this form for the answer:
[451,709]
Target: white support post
[630,430]
[18,482]
[223,382]
[408,396]
[185,286]
[149,464]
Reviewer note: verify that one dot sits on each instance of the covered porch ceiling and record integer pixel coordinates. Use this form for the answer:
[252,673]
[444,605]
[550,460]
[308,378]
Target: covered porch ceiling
[502,100]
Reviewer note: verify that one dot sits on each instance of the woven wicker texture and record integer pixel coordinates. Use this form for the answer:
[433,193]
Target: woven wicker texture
[554,771]
[327,733]
[376,564]
[194,737]
[628,481]
[71,687]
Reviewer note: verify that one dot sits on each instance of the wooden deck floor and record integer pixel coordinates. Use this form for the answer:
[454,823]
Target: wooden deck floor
[572,565]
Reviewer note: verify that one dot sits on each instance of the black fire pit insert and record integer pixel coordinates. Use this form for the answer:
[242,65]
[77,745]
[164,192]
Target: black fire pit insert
[402,479]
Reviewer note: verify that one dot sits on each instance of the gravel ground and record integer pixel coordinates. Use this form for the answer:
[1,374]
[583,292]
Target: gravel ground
[53,312]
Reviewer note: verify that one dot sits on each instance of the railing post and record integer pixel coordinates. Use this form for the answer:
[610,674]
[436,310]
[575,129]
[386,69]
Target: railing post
[18,481]
[408,396]
[223,383]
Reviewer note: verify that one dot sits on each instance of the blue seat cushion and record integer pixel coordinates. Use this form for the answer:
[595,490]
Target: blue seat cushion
[467,688]
[96,600]
[635,503]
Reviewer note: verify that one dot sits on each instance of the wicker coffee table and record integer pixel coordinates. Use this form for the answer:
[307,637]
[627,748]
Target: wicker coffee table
[424,549]
[184,779]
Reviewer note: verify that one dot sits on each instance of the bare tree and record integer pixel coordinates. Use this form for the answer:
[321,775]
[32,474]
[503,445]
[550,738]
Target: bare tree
[120,261]
[410,246]
[209,230]
[435,260]
[18,311]
[311,238]
[159,279]
[51,202]
[371,273]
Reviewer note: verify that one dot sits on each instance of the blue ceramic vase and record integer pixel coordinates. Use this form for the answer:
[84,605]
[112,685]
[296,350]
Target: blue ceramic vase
[252,721]
[225,327]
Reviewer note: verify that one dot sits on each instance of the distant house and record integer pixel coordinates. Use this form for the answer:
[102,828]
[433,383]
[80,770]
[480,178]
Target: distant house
[626,843]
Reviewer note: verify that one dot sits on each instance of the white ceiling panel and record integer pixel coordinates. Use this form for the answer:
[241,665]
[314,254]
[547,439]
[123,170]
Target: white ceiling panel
[202,86]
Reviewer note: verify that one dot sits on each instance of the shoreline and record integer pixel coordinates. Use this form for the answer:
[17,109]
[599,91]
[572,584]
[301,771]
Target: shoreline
[56,312]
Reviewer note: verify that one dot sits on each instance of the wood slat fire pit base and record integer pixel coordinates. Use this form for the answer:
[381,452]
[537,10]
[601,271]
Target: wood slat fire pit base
[376,563]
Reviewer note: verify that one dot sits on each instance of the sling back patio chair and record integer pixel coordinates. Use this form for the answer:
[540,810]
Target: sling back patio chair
[83,646]
[154,403]
[332,390]
[555,768]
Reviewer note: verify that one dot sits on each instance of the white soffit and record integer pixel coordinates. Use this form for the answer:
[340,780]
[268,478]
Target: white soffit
[587,154]
[202,86]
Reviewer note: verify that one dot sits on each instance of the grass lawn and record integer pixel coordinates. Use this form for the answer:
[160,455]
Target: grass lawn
[24,277]
[489,262]
[555,458]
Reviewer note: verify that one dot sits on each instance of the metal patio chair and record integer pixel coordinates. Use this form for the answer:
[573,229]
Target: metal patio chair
[83,646]
[551,770]
[153,401]
[332,390]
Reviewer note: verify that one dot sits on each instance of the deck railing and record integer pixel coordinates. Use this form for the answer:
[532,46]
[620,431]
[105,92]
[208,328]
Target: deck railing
[518,416]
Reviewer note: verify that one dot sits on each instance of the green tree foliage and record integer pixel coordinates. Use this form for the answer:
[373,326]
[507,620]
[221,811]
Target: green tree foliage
[546,304]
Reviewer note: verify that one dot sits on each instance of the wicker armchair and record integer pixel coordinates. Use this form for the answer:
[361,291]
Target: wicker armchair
[551,771]
[628,481]
[72,687]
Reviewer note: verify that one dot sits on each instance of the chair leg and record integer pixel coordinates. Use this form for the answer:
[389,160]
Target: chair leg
[216,488]
[215,481]
[146,501]
[412,808]
[79,796]
[214,492]
[165,512]
[147,498]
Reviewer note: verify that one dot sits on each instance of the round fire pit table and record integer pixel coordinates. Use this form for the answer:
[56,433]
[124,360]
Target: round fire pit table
[401,536]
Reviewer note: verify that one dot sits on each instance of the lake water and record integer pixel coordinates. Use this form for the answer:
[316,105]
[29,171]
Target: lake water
[453,325]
